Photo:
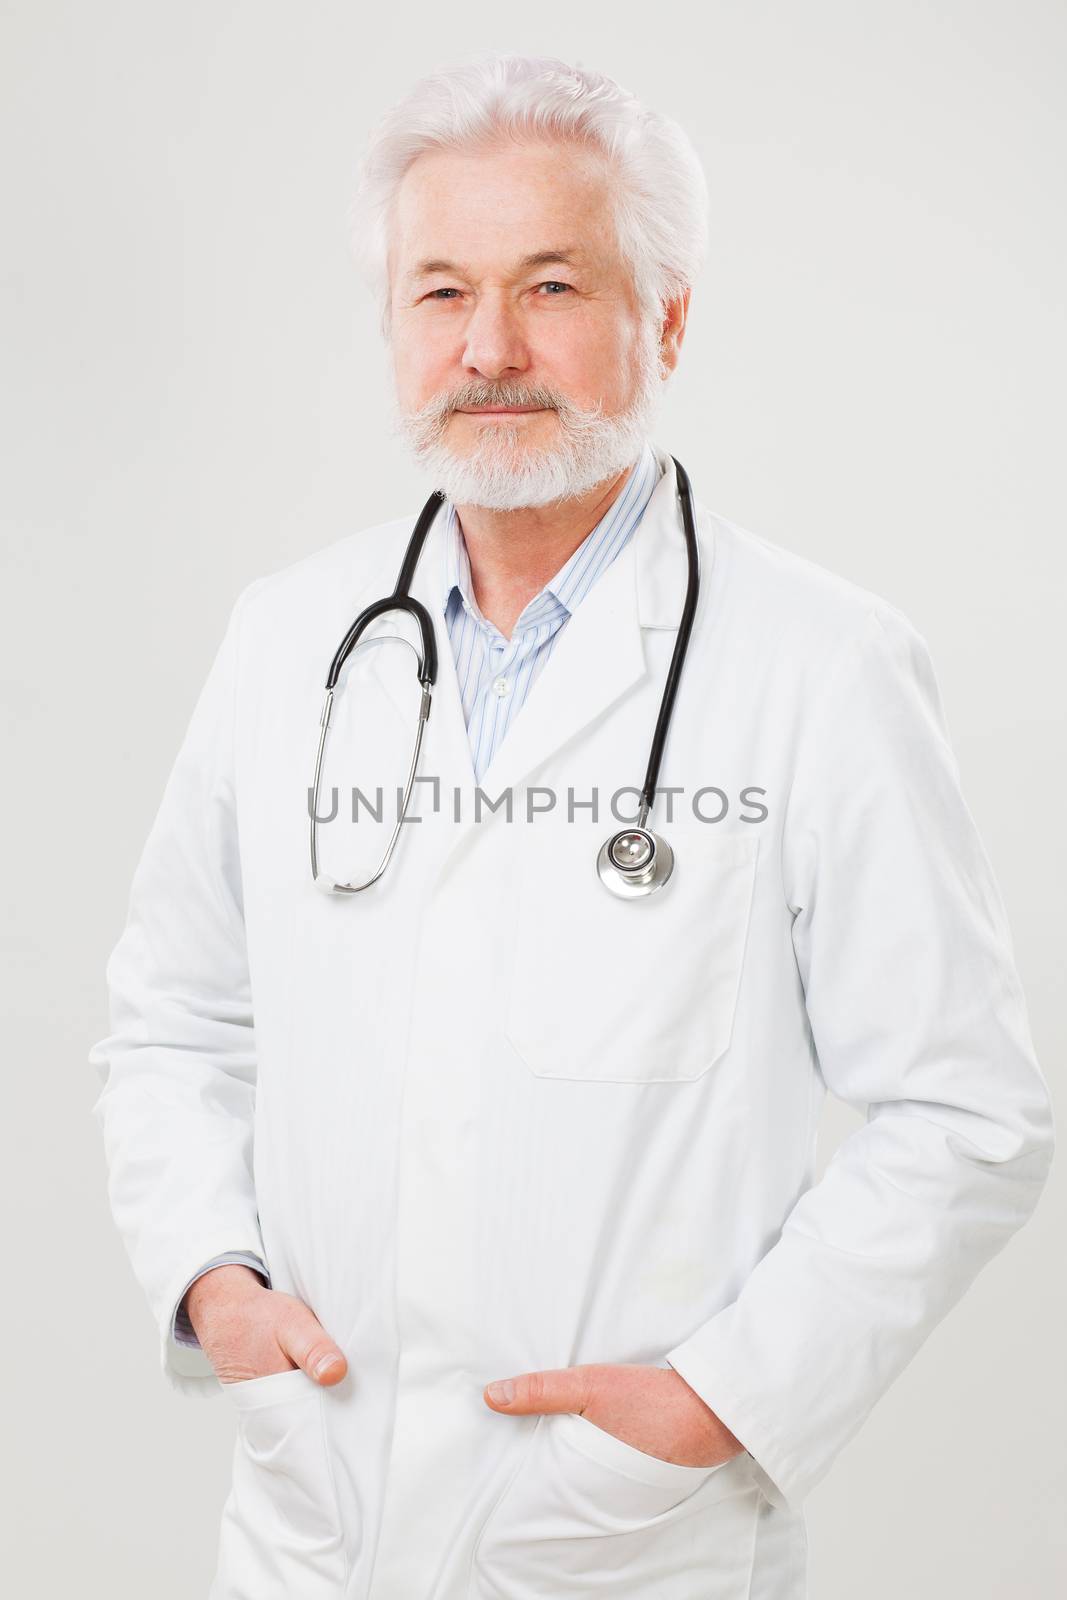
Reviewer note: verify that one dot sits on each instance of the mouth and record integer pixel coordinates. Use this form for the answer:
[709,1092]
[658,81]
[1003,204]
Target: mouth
[499,411]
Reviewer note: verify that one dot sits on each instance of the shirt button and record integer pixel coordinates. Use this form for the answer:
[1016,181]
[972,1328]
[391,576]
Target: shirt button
[501,686]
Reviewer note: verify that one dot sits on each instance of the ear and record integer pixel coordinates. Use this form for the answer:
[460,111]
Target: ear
[672,329]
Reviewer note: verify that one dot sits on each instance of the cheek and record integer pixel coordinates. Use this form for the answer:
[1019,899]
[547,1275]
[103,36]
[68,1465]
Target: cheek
[599,367]
[422,362]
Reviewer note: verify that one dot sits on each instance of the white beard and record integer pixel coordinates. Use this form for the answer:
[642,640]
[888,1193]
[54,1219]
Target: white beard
[504,473]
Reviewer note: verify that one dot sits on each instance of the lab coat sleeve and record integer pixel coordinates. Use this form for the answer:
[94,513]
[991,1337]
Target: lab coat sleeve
[179,1066]
[918,1020]
[181,1327]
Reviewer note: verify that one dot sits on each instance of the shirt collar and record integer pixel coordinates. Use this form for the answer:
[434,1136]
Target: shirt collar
[562,593]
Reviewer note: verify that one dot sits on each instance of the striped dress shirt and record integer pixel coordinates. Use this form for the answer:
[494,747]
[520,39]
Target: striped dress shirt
[496,674]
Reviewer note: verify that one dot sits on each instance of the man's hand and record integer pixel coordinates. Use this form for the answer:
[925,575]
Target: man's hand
[248,1331]
[651,1408]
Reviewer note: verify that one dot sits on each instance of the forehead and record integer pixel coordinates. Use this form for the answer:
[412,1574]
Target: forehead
[495,209]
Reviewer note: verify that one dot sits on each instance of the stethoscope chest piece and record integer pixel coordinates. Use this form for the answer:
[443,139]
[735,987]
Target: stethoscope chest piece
[634,862]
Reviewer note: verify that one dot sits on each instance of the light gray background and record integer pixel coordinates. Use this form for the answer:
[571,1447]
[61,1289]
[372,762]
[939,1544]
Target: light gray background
[192,396]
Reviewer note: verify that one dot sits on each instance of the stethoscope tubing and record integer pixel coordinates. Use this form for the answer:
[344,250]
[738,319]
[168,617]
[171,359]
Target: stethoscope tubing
[681,643]
[402,600]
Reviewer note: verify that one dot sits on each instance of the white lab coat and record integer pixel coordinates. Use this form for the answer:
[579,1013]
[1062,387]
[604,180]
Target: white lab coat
[493,1120]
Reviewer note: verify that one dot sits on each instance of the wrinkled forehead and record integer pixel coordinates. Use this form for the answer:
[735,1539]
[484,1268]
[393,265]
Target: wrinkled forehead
[503,211]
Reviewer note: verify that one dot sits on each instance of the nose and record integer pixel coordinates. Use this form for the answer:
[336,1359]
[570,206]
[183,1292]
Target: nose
[494,344]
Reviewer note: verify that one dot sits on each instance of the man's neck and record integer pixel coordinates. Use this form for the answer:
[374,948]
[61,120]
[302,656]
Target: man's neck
[513,554]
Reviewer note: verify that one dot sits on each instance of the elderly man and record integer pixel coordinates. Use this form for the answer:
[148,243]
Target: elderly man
[485,1194]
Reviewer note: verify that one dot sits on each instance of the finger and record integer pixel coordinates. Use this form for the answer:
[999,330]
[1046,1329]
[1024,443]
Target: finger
[305,1341]
[557,1389]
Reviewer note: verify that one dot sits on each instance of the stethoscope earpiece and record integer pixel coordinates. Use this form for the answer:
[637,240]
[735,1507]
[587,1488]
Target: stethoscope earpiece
[634,862]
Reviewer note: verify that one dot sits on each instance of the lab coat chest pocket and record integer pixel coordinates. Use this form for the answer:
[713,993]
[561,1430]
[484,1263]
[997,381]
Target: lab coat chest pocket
[282,1516]
[629,991]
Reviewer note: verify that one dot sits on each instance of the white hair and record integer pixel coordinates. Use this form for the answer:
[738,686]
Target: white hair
[660,192]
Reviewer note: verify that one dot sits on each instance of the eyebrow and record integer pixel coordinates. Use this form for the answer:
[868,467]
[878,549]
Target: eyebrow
[540,258]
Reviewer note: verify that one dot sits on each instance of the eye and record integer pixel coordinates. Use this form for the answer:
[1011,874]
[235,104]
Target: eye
[435,292]
[553,283]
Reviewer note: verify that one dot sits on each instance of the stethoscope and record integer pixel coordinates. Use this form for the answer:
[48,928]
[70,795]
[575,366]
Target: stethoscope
[631,863]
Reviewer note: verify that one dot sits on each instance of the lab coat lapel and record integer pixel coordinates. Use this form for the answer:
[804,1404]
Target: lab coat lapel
[596,658]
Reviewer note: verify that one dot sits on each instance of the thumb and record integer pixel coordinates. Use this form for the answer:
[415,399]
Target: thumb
[306,1342]
[558,1389]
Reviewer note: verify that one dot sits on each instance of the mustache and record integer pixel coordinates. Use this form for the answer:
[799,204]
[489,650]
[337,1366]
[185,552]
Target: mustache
[440,407]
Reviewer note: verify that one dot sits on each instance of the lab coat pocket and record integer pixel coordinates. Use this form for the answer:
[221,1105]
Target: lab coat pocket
[587,1513]
[281,1532]
[628,991]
